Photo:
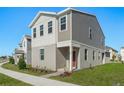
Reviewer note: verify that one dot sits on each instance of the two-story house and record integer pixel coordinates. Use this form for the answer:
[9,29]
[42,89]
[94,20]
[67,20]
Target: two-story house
[110,54]
[24,49]
[69,39]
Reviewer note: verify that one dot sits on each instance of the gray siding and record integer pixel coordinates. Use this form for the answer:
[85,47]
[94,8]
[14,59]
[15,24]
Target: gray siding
[65,35]
[80,30]
[28,58]
[90,62]
[49,57]
[62,57]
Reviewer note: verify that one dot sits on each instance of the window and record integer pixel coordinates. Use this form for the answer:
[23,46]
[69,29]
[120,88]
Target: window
[34,32]
[86,54]
[42,54]
[93,55]
[90,33]
[50,27]
[63,23]
[107,54]
[41,30]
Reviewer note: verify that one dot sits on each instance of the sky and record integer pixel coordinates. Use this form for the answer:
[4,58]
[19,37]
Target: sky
[14,23]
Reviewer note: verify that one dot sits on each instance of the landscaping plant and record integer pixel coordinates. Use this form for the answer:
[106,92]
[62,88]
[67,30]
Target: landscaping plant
[11,60]
[22,63]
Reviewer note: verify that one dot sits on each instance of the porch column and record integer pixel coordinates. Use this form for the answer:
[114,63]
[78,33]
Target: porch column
[70,58]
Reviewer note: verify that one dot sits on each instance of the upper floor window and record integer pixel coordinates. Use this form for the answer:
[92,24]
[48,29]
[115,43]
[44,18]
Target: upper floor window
[90,33]
[86,54]
[50,27]
[34,32]
[63,23]
[41,30]
[42,54]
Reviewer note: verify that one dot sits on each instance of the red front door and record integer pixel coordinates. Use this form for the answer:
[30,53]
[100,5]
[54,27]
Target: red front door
[74,63]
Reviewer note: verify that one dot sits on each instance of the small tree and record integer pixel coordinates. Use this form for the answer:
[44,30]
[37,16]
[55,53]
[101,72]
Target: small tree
[21,63]
[113,57]
[11,60]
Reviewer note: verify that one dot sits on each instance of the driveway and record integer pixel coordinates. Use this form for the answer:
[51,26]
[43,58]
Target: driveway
[33,80]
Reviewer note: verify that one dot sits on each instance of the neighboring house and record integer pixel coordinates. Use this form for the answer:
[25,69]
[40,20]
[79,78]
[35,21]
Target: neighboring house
[24,49]
[122,53]
[111,54]
[68,39]
[4,59]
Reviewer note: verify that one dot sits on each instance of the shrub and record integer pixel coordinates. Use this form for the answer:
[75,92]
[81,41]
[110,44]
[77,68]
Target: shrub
[22,63]
[11,60]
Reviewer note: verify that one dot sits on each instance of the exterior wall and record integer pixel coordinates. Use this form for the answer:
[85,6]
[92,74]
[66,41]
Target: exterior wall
[64,35]
[77,31]
[90,62]
[28,55]
[47,42]
[46,39]
[111,54]
[122,54]
[80,30]
[107,60]
[62,57]
[17,57]
[49,57]
[26,47]
[107,56]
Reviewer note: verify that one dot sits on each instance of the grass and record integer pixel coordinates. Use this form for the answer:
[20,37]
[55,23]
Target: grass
[104,75]
[8,81]
[27,71]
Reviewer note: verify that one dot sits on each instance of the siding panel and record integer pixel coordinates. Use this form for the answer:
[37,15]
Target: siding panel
[80,30]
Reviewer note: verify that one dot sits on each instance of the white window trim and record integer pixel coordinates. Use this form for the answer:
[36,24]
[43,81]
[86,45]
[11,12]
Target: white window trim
[33,32]
[40,54]
[42,31]
[86,55]
[51,26]
[60,23]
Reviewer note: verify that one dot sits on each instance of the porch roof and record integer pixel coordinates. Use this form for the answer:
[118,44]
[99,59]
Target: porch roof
[67,44]
[19,51]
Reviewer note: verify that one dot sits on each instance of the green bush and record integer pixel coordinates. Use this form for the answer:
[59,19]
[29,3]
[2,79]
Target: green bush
[11,60]
[22,63]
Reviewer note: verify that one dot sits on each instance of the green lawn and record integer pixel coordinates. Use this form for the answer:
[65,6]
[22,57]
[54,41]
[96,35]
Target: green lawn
[104,75]
[8,81]
[31,72]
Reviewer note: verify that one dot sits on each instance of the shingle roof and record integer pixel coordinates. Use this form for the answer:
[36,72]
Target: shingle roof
[107,47]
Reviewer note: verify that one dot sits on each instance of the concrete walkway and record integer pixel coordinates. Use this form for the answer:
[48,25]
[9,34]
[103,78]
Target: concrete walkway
[33,80]
[60,71]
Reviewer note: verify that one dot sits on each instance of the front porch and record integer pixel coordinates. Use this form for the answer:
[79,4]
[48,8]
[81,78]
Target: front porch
[71,56]
[18,54]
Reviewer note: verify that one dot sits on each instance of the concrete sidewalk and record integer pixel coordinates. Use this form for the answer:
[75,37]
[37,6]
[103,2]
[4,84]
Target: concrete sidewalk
[33,80]
[60,71]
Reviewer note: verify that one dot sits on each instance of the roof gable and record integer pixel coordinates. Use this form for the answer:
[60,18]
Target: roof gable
[40,14]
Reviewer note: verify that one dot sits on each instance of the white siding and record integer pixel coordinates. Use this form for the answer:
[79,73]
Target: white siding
[122,54]
[46,39]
